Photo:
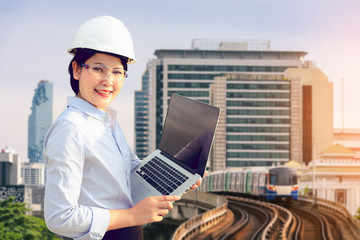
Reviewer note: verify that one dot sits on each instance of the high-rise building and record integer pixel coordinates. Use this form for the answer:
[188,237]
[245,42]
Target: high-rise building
[317,111]
[255,125]
[40,119]
[262,108]
[10,166]
[141,118]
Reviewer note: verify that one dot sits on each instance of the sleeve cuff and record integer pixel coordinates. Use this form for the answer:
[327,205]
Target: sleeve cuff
[99,224]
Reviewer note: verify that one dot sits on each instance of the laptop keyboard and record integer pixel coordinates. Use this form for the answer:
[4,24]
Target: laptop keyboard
[161,176]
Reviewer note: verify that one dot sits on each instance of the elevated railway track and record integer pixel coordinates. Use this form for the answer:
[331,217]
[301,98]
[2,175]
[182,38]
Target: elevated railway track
[253,219]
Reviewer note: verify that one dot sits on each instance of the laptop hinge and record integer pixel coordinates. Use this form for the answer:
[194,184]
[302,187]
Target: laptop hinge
[178,162]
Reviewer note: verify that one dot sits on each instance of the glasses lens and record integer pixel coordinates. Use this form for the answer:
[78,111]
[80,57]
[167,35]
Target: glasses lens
[119,73]
[102,72]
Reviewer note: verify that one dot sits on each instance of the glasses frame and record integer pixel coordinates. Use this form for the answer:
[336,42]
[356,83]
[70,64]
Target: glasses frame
[88,66]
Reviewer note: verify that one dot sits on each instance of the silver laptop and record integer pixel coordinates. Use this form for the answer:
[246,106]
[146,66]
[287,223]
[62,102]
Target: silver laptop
[184,148]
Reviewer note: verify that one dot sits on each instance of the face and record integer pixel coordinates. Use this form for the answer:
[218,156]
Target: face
[99,91]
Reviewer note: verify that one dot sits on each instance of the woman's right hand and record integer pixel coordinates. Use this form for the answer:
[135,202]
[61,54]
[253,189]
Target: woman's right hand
[152,209]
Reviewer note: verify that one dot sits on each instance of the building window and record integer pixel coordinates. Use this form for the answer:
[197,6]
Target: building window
[279,95]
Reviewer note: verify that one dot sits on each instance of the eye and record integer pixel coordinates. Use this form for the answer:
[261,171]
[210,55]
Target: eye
[118,72]
[98,69]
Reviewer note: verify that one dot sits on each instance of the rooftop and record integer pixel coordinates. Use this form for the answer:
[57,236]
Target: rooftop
[335,170]
[346,130]
[338,149]
[230,49]
[231,44]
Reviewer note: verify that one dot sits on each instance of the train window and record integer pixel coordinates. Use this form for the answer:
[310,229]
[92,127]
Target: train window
[273,179]
[262,180]
[284,179]
[293,179]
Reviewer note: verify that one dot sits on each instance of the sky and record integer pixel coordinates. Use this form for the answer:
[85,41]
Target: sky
[35,36]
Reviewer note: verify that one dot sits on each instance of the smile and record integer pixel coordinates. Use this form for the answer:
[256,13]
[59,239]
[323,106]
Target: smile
[103,93]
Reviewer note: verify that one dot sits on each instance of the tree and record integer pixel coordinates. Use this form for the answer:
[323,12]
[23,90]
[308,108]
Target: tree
[357,215]
[16,225]
[306,191]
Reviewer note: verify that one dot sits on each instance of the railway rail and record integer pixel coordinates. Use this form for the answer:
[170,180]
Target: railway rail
[255,220]
[341,224]
[257,216]
[310,226]
[241,219]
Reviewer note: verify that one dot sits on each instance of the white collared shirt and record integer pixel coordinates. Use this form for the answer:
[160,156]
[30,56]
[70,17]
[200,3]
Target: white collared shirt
[88,165]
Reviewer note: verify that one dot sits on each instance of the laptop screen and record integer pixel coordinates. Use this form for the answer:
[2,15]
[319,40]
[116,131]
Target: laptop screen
[189,131]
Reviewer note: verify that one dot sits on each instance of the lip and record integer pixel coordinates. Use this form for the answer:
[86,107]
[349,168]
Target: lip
[103,93]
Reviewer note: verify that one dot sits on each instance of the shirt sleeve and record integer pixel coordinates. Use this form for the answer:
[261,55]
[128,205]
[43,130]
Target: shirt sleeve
[133,157]
[134,160]
[64,158]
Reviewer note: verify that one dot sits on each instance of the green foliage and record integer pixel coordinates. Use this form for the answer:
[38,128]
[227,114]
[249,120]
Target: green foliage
[16,225]
[357,214]
[306,191]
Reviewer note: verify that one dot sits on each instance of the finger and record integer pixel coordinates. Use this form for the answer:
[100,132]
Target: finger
[165,205]
[158,218]
[170,198]
[163,212]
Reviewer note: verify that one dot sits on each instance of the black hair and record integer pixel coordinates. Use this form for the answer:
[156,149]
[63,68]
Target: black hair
[83,54]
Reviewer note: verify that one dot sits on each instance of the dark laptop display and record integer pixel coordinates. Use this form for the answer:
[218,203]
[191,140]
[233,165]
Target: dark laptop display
[187,135]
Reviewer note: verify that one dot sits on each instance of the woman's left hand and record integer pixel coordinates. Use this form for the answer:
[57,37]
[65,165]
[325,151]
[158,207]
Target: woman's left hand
[198,183]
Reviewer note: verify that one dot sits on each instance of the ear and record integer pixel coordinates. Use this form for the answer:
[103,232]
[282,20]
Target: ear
[76,70]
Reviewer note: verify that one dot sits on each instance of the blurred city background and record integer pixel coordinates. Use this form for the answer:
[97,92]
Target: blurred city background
[283,73]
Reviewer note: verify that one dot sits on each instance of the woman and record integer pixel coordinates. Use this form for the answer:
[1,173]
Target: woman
[88,160]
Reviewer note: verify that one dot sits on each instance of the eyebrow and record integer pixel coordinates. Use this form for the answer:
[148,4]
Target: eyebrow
[100,63]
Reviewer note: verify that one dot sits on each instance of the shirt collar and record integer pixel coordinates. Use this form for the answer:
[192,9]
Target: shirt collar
[108,116]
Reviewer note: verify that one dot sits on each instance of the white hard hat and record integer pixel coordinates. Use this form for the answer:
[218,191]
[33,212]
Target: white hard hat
[105,34]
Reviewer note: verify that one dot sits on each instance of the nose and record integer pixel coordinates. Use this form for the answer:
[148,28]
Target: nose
[108,79]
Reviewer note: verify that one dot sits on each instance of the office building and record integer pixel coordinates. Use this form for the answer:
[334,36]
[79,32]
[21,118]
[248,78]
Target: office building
[33,173]
[10,166]
[317,111]
[40,119]
[261,122]
[255,124]
[141,118]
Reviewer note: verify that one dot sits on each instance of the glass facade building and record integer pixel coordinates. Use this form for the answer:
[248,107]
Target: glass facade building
[141,118]
[257,122]
[39,120]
